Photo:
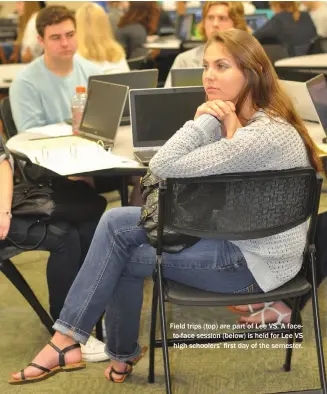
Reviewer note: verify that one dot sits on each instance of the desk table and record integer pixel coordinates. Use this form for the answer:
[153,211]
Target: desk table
[171,43]
[8,73]
[123,147]
[309,62]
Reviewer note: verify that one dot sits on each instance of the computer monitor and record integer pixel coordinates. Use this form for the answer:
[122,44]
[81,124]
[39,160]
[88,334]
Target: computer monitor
[186,77]
[256,21]
[137,79]
[184,27]
[317,88]
[156,114]
[298,93]
[103,111]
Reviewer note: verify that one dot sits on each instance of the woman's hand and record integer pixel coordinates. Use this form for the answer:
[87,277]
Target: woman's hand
[224,111]
[4,225]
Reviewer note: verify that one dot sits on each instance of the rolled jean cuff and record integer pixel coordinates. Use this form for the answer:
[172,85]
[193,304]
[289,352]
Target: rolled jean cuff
[123,358]
[72,332]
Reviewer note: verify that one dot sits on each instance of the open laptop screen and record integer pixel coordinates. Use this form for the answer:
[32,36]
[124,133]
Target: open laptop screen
[317,88]
[103,110]
[256,21]
[138,79]
[157,114]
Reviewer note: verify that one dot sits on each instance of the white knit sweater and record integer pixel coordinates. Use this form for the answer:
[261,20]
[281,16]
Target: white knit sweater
[266,143]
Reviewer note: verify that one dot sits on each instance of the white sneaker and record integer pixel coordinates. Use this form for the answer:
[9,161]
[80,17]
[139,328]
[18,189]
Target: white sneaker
[93,351]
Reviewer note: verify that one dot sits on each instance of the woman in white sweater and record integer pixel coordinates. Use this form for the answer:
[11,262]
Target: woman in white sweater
[95,40]
[247,124]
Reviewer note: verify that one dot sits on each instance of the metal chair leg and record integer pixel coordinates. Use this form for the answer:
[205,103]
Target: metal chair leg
[16,278]
[153,331]
[164,330]
[291,339]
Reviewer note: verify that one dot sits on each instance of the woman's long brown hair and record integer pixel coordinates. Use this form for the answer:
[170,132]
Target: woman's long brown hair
[147,13]
[263,85]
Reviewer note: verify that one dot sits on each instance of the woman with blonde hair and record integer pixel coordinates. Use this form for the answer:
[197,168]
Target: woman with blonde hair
[95,40]
[216,16]
[27,44]
[289,27]
[247,124]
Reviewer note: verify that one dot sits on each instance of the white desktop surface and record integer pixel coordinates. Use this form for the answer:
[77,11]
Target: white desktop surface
[8,73]
[164,43]
[123,147]
[315,61]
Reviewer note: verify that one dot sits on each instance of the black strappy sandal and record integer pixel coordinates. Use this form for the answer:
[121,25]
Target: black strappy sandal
[62,367]
[129,368]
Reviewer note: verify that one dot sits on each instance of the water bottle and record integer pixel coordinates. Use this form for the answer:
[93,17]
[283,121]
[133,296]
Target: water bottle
[78,105]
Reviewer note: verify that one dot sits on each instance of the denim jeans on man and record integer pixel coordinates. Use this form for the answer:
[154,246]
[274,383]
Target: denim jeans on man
[113,273]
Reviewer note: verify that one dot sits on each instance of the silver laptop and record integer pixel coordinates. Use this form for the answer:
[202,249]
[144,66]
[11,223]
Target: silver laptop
[256,21]
[317,88]
[103,112]
[156,114]
[186,77]
[140,79]
[299,94]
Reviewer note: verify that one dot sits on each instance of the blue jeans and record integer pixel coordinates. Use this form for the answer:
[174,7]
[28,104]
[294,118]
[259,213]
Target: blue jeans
[113,273]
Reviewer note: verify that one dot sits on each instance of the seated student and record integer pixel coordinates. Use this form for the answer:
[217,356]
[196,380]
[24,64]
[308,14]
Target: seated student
[136,24]
[247,124]
[42,93]
[30,45]
[116,11]
[289,27]
[95,41]
[318,13]
[217,16]
[67,244]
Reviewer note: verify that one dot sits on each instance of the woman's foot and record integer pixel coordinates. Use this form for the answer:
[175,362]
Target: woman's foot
[276,312]
[123,369]
[49,357]
[246,308]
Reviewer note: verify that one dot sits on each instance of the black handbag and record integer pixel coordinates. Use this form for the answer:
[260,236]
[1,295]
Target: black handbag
[172,242]
[58,199]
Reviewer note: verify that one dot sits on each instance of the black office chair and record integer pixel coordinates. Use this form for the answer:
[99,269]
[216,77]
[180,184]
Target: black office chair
[275,52]
[137,63]
[294,74]
[189,44]
[10,131]
[318,45]
[237,207]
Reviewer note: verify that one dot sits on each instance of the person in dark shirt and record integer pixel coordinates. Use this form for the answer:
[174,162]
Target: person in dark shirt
[289,27]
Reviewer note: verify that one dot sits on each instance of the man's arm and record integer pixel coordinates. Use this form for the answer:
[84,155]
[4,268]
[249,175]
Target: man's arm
[26,105]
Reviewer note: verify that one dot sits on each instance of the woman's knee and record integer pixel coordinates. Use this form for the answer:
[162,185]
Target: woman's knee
[120,218]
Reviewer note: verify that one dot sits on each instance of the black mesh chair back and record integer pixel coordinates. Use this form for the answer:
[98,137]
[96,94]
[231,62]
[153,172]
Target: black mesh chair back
[240,206]
[7,119]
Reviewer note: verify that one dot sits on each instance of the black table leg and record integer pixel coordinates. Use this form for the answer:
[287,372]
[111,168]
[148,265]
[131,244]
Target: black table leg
[124,191]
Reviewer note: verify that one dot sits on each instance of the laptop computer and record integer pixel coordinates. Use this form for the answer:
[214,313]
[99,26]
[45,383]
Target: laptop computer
[256,21]
[184,26]
[186,77]
[156,114]
[138,79]
[317,88]
[103,111]
[300,96]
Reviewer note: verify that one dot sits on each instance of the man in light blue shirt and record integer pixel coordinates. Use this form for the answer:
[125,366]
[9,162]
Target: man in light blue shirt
[42,93]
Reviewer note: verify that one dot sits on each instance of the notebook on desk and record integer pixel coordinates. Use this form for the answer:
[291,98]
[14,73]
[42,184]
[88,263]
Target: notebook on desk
[138,79]
[156,114]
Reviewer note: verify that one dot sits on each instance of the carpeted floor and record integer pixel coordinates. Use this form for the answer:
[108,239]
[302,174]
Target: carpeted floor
[194,371]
